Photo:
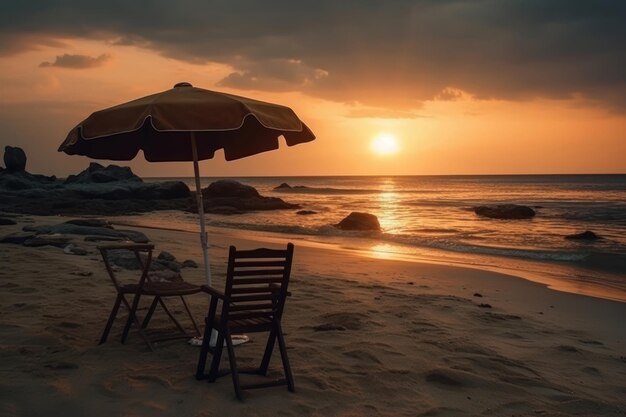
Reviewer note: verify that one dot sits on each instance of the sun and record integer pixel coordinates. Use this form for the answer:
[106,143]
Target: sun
[385,144]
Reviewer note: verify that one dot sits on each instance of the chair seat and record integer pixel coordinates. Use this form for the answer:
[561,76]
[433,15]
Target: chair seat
[163,288]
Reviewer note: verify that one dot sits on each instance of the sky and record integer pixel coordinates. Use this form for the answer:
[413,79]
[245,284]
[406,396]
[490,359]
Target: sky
[456,86]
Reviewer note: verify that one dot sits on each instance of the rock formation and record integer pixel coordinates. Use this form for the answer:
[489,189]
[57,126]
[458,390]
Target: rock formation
[359,221]
[97,190]
[232,197]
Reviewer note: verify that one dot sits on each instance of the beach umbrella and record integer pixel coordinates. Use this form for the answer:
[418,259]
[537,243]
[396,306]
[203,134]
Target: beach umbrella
[186,123]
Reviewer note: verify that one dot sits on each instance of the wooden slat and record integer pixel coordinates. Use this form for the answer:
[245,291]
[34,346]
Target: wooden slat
[249,315]
[264,289]
[261,253]
[253,297]
[251,307]
[264,280]
[258,272]
[249,264]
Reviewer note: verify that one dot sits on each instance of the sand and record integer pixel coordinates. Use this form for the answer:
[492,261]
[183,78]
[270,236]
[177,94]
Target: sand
[366,337]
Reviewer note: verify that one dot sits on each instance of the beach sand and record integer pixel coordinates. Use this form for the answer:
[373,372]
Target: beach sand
[366,337]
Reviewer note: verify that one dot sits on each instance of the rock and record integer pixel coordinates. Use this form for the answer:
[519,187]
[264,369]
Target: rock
[125,259]
[72,229]
[38,241]
[6,222]
[103,239]
[97,190]
[132,190]
[14,159]
[586,235]
[359,221]
[188,263]
[97,173]
[229,189]
[164,276]
[75,250]
[166,256]
[306,212]
[90,223]
[17,238]
[505,211]
[232,197]
[160,265]
[283,186]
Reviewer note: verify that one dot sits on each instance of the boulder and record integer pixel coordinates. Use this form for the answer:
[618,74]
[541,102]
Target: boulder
[75,250]
[505,211]
[98,190]
[232,197]
[90,223]
[164,276]
[166,256]
[38,241]
[586,235]
[188,263]
[17,238]
[306,212]
[359,221]
[72,229]
[284,187]
[14,159]
[98,174]
[229,189]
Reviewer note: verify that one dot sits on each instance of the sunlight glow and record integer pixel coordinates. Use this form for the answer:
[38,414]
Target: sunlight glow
[385,144]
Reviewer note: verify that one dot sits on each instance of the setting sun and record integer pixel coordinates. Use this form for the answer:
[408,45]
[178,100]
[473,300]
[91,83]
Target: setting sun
[385,144]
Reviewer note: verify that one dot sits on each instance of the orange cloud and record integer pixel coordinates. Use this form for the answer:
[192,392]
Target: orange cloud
[77,61]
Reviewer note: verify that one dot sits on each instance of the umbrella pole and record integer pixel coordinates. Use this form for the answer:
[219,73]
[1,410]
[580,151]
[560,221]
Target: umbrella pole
[204,240]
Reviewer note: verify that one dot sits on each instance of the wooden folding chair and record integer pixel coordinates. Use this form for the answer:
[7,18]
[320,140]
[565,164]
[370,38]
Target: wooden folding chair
[253,301]
[146,287]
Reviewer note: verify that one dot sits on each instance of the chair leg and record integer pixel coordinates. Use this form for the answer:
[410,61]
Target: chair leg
[217,356]
[193,321]
[269,348]
[283,355]
[204,353]
[112,316]
[150,312]
[131,317]
[171,316]
[233,364]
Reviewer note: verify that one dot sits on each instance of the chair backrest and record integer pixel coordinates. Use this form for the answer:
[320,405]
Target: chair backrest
[256,283]
[138,250]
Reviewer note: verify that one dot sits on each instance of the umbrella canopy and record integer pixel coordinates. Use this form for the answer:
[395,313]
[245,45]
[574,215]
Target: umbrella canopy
[186,123]
[160,124]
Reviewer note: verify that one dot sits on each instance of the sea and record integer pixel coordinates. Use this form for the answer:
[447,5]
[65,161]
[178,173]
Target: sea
[431,218]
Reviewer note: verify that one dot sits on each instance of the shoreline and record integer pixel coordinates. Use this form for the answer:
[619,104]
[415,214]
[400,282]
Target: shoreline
[551,273]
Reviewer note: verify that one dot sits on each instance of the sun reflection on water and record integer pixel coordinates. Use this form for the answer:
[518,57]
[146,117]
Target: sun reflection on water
[389,211]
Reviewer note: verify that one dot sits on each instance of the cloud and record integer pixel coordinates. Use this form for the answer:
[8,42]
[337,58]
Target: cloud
[394,54]
[77,61]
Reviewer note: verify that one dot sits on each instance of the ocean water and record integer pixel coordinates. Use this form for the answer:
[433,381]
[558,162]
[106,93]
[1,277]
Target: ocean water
[431,217]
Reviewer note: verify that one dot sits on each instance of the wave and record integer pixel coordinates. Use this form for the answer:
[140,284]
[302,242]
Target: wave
[416,242]
[301,189]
